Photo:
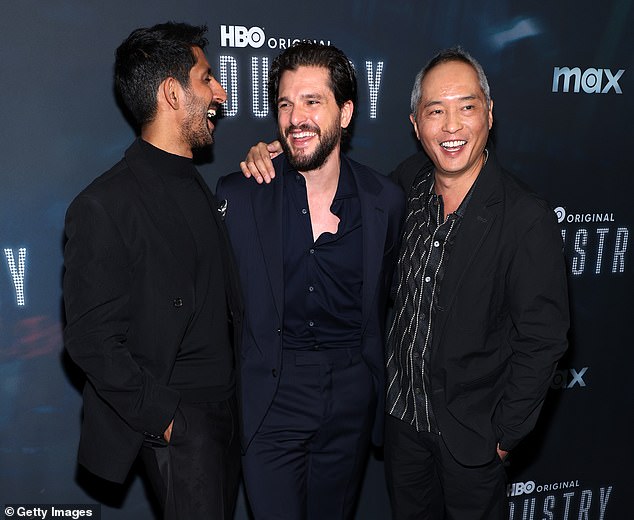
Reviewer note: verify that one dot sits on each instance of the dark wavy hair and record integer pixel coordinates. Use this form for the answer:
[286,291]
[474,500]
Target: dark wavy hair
[149,56]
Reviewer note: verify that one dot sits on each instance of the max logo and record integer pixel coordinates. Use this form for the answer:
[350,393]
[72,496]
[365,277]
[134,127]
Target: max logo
[569,378]
[590,80]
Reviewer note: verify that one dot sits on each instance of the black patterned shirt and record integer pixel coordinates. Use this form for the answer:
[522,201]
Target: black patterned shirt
[425,247]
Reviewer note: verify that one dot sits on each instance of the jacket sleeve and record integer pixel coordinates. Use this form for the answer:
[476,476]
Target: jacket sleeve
[537,296]
[97,285]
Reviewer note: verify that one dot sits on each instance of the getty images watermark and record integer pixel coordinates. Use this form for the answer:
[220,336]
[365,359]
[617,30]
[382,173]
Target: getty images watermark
[75,511]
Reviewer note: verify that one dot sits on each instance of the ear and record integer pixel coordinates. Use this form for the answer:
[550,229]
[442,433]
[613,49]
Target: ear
[170,93]
[415,125]
[347,109]
[491,115]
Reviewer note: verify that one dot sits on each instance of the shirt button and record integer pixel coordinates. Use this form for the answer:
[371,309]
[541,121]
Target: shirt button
[417,391]
[311,288]
[311,323]
[436,243]
[177,302]
[427,279]
[304,211]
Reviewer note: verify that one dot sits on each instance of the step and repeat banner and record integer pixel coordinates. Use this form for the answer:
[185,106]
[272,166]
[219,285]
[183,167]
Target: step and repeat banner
[562,79]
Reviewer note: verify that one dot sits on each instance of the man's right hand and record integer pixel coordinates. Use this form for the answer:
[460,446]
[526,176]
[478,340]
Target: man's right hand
[258,163]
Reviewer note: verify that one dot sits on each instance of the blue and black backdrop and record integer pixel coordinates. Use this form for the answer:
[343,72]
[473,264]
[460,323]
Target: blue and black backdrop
[562,78]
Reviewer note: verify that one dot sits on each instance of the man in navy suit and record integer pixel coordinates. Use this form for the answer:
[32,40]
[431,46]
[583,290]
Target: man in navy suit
[316,249]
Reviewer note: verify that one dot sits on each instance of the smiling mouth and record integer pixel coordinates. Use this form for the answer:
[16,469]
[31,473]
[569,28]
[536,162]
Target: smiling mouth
[302,135]
[453,146]
[211,113]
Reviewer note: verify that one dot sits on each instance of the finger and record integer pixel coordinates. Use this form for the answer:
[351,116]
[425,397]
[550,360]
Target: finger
[264,167]
[274,149]
[249,170]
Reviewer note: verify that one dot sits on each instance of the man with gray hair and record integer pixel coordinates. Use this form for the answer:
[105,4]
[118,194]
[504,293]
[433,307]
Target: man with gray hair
[481,308]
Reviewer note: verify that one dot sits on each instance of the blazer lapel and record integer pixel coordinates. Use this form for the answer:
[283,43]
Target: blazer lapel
[228,260]
[477,221]
[374,228]
[267,209]
[169,220]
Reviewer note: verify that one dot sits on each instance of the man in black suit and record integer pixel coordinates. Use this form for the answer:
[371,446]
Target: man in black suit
[152,300]
[316,250]
[481,305]
[481,308]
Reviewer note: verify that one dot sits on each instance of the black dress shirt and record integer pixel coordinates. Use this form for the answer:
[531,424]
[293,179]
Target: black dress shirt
[323,278]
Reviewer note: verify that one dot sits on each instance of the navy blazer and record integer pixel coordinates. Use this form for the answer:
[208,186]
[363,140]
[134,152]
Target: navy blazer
[502,315]
[254,220]
[129,297]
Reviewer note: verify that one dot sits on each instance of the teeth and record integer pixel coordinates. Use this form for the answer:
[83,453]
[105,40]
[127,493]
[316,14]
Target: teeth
[300,135]
[211,113]
[453,144]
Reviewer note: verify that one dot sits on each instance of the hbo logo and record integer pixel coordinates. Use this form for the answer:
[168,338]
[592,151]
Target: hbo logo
[521,488]
[240,36]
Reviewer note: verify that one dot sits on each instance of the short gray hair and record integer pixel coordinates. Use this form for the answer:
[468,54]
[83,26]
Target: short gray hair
[445,56]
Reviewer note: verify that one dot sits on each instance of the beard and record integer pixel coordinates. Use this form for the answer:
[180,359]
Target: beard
[303,162]
[195,131]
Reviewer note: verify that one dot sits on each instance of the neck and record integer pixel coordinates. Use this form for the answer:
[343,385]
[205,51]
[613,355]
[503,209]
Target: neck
[166,138]
[454,188]
[326,176]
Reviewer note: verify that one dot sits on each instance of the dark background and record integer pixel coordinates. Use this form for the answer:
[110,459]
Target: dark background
[60,127]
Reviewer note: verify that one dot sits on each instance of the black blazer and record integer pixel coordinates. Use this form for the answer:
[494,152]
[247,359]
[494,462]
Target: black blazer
[254,220]
[502,315]
[129,296]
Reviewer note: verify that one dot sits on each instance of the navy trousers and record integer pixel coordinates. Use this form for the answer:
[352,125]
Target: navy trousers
[308,456]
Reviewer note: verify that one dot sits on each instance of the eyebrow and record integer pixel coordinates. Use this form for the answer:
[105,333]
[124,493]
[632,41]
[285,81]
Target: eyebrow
[470,97]
[303,96]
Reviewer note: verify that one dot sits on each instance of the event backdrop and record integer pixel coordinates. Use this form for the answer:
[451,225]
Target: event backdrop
[561,78]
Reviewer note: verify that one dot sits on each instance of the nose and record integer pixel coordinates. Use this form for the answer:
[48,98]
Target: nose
[453,121]
[219,94]
[297,115]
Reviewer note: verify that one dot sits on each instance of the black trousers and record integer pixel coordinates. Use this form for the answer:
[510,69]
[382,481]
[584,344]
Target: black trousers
[196,475]
[426,483]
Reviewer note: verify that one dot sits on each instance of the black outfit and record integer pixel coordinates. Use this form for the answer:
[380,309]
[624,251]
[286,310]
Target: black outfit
[153,318]
[493,330]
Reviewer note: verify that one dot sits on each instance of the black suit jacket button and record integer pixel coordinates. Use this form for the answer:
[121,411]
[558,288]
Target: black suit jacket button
[178,302]
[274,372]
